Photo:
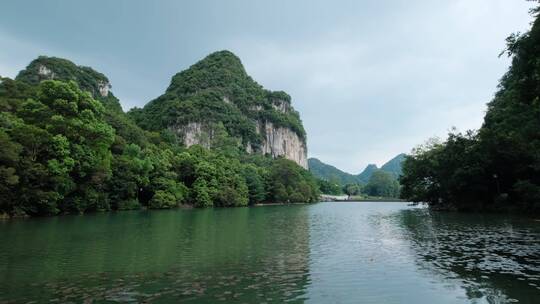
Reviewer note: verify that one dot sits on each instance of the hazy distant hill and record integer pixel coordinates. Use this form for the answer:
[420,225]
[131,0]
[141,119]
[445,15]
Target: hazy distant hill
[363,177]
[394,166]
[329,172]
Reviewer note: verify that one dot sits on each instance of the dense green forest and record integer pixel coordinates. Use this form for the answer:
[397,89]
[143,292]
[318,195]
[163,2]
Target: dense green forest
[66,146]
[372,181]
[217,90]
[498,166]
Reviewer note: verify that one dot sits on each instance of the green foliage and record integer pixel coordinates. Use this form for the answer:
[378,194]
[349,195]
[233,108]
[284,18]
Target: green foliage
[329,187]
[89,80]
[200,194]
[382,184]
[218,91]
[62,148]
[10,152]
[130,174]
[330,173]
[163,200]
[62,151]
[394,166]
[352,189]
[327,172]
[365,175]
[255,182]
[289,183]
[497,168]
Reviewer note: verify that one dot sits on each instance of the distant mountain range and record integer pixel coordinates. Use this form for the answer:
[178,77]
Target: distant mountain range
[329,172]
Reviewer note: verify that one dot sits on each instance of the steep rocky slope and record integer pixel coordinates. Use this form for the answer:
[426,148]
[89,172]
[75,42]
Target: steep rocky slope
[216,93]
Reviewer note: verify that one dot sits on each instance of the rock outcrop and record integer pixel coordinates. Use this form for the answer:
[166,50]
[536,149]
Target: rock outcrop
[54,68]
[284,142]
[45,72]
[103,88]
[277,142]
[194,133]
[218,91]
[88,79]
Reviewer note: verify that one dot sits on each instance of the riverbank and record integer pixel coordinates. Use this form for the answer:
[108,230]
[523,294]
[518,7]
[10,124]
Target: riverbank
[345,198]
[277,204]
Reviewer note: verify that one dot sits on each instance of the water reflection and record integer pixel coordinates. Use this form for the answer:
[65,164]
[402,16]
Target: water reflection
[202,256]
[322,253]
[495,258]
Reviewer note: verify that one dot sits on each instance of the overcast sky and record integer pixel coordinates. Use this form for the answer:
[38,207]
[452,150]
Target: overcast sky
[370,78]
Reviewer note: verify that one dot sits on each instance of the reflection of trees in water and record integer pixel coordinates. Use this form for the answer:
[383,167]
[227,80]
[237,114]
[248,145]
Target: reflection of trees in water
[496,258]
[268,250]
[202,256]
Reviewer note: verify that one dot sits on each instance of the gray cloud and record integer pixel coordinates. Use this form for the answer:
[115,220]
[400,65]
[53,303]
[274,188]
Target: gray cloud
[371,79]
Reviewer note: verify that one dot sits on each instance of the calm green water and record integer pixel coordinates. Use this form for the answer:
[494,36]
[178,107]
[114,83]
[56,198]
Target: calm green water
[322,253]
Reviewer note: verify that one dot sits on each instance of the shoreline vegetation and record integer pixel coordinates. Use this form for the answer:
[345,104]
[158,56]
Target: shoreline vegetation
[67,147]
[324,198]
[495,168]
[345,198]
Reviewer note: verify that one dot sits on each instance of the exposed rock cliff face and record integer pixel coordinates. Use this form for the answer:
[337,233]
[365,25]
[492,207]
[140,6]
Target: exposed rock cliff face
[103,88]
[45,72]
[194,133]
[283,142]
[281,105]
[277,142]
[218,91]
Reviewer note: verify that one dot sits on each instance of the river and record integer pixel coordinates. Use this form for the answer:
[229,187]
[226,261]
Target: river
[366,252]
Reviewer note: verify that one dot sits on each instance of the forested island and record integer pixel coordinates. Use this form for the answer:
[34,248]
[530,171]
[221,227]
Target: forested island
[496,168]
[215,138]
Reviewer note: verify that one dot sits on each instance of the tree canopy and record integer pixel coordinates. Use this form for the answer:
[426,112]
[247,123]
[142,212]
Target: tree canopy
[66,149]
[497,167]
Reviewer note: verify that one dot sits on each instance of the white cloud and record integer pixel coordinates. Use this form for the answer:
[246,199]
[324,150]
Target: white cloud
[366,96]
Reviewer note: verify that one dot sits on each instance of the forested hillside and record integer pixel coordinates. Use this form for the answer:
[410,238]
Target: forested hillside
[372,181]
[395,165]
[498,166]
[66,146]
[331,173]
[217,93]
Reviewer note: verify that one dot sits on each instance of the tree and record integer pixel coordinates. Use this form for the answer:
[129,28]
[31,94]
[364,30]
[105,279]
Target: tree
[498,167]
[66,146]
[352,189]
[131,172]
[382,184]
[290,183]
[255,183]
[328,187]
